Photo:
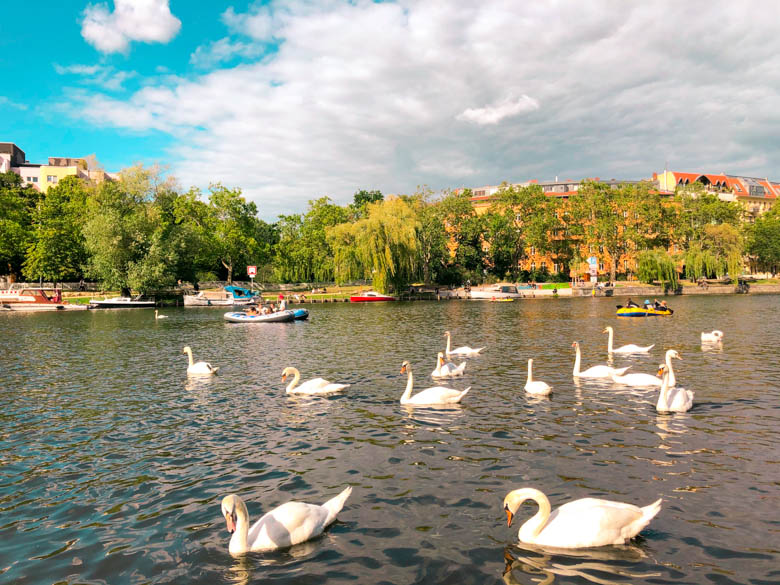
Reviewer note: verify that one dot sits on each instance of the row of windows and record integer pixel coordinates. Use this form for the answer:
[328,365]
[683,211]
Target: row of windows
[49,179]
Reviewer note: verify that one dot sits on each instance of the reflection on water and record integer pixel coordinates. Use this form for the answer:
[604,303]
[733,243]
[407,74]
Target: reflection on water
[113,463]
[601,565]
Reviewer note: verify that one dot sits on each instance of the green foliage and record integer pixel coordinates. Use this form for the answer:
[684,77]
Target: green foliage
[57,251]
[382,246]
[763,240]
[17,206]
[431,238]
[657,265]
[465,230]
[361,200]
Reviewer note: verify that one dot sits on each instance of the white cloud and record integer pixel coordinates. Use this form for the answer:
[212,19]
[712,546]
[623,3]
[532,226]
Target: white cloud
[9,103]
[494,114]
[207,56]
[148,21]
[367,95]
[100,75]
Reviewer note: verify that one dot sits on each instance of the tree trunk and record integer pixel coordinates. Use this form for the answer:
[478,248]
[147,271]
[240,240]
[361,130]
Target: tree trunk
[230,271]
[612,268]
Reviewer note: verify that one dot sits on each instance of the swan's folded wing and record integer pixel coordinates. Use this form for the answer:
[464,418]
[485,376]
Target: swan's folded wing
[289,524]
[435,395]
[590,522]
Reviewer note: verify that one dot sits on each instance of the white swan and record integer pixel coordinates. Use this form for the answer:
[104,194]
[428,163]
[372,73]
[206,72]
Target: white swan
[463,351]
[435,395]
[630,348]
[447,369]
[536,387]
[156,316]
[670,353]
[672,399]
[600,371]
[198,368]
[314,386]
[713,337]
[580,523]
[637,380]
[286,525]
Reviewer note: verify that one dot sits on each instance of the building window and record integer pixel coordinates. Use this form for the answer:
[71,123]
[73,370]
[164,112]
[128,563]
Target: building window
[601,249]
[555,267]
[625,213]
[544,265]
[601,266]
[35,179]
[51,178]
[533,250]
[625,265]
[533,266]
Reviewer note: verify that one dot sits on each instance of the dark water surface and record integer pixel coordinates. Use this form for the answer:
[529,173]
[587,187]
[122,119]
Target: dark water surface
[113,463]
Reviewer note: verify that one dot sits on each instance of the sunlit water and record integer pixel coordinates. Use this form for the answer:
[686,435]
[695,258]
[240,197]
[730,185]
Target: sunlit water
[113,463]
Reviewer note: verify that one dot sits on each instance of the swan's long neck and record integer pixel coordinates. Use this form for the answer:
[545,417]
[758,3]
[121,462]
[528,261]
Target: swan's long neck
[609,341]
[577,361]
[663,398]
[189,354]
[409,385]
[295,380]
[672,379]
[239,542]
[530,374]
[448,343]
[533,526]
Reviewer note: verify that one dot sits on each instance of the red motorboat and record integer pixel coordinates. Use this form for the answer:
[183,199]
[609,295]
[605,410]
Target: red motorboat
[369,297]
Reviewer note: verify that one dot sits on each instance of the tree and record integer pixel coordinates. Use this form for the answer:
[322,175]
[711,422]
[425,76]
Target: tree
[17,206]
[118,236]
[57,250]
[431,236]
[236,232]
[304,252]
[763,240]
[465,230]
[361,199]
[382,245]
[616,219]
[657,265]
[695,209]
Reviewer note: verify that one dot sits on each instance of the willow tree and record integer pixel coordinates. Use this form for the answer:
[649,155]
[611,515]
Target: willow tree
[657,265]
[382,246]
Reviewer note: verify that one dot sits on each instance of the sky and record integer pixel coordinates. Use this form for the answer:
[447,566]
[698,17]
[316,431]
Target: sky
[298,99]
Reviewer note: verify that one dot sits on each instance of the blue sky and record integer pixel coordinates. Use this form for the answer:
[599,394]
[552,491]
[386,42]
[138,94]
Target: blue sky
[292,100]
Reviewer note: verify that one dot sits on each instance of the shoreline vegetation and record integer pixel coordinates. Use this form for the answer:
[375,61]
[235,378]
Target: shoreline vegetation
[143,233]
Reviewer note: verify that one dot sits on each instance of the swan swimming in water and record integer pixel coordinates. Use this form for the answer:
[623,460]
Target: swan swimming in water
[463,351]
[198,368]
[434,395]
[630,348]
[447,369]
[535,387]
[286,525]
[600,371]
[578,524]
[713,337]
[314,386]
[156,316]
[672,399]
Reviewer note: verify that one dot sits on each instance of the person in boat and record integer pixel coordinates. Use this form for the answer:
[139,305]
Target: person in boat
[631,303]
[656,304]
[663,306]
[283,305]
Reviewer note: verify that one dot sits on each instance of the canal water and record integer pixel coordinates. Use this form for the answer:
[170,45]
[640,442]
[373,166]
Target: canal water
[113,463]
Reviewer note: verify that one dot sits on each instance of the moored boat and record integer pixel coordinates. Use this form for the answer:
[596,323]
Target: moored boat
[370,296]
[216,299]
[136,302]
[278,317]
[504,291]
[24,298]
[300,314]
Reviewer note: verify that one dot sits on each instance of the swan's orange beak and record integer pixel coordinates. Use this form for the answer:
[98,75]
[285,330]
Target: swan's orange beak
[659,372]
[231,523]
[284,377]
[509,517]
[403,369]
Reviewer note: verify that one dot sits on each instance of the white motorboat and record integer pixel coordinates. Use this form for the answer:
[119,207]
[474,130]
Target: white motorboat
[503,291]
[136,302]
[215,299]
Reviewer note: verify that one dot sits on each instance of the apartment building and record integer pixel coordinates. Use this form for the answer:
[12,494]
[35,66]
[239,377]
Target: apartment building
[42,176]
